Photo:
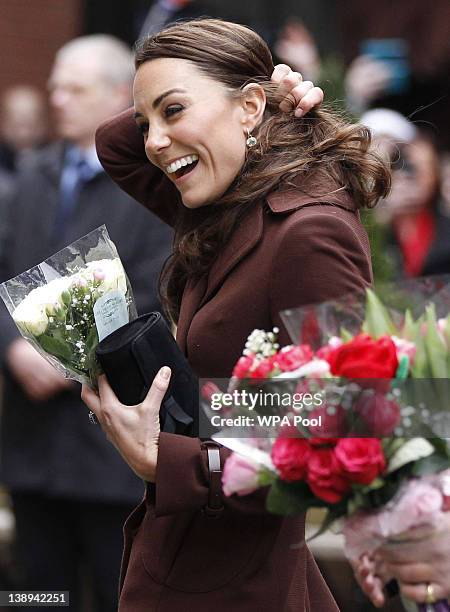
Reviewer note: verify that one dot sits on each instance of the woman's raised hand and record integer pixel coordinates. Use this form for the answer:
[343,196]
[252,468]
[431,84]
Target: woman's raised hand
[134,430]
[291,85]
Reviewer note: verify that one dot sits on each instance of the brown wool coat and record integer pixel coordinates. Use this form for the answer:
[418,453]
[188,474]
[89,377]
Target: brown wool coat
[292,249]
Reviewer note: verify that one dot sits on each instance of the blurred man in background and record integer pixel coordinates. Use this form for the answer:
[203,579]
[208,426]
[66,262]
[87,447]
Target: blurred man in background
[70,489]
[23,124]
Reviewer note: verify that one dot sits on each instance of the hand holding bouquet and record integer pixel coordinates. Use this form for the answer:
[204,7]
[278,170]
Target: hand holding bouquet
[66,304]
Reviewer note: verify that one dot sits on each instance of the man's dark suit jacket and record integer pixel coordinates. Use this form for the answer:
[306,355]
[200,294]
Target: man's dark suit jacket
[51,447]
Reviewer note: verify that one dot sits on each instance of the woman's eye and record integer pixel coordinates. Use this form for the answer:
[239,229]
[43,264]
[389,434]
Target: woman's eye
[143,128]
[173,109]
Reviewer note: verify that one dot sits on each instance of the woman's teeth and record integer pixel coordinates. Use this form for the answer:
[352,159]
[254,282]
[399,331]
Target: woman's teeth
[179,163]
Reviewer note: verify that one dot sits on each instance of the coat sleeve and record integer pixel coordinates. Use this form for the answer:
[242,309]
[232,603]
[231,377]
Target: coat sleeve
[120,149]
[322,254]
[182,479]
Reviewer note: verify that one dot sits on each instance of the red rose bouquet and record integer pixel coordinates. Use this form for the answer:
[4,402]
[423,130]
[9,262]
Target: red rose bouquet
[371,445]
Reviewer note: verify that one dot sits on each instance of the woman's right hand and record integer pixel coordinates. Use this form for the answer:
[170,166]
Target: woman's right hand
[291,85]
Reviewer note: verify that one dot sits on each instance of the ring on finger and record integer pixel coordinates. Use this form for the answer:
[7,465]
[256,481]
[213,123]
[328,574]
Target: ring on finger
[430,597]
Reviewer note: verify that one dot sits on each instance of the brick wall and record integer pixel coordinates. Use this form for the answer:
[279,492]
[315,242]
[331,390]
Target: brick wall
[30,33]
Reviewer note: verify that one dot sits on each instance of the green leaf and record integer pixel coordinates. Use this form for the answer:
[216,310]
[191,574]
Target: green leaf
[266,477]
[420,368]
[409,452]
[290,499]
[378,321]
[66,297]
[441,445]
[436,350]
[431,465]
[55,347]
[403,368]
[410,327]
[346,336]
[330,518]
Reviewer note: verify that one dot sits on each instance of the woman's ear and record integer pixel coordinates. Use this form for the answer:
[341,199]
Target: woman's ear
[253,104]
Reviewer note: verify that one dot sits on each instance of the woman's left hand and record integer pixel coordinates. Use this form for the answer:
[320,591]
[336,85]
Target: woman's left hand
[417,563]
[134,430]
[303,94]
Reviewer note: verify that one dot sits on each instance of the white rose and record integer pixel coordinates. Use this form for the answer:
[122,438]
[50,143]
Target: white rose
[110,274]
[31,317]
[51,294]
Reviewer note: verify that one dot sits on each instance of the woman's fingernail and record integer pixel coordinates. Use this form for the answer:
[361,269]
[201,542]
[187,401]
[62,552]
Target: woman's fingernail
[299,112]
[165,372]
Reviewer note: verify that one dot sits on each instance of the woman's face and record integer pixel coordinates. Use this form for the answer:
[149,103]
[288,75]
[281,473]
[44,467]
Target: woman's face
[193,129]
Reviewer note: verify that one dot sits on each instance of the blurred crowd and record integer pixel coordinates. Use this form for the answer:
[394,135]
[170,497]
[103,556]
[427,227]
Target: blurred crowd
[389,72]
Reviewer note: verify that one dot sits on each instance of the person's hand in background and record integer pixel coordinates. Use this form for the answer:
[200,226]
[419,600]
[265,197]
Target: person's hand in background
[37,377]
[365,79]
[297,48]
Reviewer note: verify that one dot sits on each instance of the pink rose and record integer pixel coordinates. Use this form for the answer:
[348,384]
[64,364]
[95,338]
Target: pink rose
[419,505]
[243,366]
[291,358]
[361,459]
[324,351]
[290,457]
[380,415]
[209,389]
[263,369]
[325,476]
[240,475]
[444,331]
[404,347]
[99,274]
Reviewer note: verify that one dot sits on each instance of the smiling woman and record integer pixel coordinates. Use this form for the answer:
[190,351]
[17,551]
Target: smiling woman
[265,209]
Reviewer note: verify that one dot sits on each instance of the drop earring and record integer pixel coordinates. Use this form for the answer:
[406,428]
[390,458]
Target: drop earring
[251,140]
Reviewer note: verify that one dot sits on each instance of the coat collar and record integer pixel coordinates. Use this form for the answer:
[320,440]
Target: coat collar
[299,195]
[197,293]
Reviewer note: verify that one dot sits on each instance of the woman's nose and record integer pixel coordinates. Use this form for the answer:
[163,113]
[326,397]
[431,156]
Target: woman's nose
[157,140]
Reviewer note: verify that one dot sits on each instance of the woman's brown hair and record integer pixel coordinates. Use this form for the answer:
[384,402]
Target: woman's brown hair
[321,143]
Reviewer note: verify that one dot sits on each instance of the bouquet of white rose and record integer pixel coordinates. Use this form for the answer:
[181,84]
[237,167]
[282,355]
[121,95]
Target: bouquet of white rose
[68,303]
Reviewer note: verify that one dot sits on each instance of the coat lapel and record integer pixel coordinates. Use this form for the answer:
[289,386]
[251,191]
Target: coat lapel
[198,292]
[242,241]
[192,296]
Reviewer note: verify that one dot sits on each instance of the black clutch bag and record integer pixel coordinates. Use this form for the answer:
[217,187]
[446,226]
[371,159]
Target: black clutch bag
[132,356]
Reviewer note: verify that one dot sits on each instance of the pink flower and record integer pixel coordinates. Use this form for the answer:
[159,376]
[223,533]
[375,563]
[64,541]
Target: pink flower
[442,330]
[361,459]
[209,389]
[290,457]
[419,504]
[325,476]
[99,274]
[240,475]
[380,415]
[243,366]
[263,369]
[324,351]
[292,357]
[362,534]
[404,347]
